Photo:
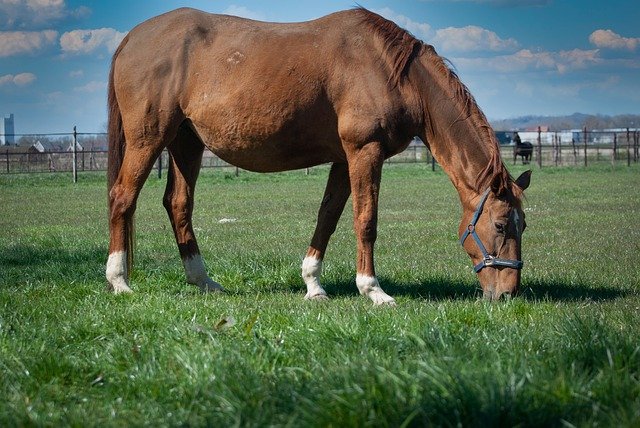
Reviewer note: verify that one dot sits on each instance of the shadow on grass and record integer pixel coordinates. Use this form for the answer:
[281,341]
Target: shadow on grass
[436,289]
[50,259]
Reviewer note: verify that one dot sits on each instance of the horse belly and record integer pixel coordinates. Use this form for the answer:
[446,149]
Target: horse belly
[270,148]
[274,125]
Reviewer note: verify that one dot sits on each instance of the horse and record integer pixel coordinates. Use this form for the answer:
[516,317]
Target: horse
[525,150]
[350,89]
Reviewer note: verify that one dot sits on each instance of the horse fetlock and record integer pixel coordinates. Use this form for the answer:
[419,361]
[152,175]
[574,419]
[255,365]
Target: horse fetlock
[116,272]
[311,271]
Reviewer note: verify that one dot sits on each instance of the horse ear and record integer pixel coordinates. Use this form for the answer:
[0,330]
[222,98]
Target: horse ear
[498,185]
[524,180]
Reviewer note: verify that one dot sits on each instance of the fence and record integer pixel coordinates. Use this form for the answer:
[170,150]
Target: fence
[582,147]
[56,152]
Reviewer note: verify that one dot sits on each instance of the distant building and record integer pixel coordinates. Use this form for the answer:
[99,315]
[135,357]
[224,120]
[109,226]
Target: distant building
[79,148]
[7,131]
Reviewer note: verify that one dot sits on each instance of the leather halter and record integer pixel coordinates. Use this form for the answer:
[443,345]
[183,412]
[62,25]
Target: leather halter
[488,259]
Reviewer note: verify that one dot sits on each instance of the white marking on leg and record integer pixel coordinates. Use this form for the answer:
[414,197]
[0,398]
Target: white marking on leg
[197,274]
[311,270]
[116,272]
[369,286]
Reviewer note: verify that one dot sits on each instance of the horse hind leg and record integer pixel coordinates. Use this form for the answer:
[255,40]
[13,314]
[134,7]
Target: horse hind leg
[335,197]
[136,165]
[185,158]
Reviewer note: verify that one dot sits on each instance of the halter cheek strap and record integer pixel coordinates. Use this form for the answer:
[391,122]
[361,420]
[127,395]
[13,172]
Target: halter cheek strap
[487,259]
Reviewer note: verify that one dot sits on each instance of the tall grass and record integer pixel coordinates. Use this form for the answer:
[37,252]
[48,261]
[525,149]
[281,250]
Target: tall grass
[565,352]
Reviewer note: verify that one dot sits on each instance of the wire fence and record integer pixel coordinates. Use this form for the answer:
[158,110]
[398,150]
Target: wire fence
[81,152]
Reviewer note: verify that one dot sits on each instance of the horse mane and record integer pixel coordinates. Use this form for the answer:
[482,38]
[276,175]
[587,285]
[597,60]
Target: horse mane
[401,47]
[495,174]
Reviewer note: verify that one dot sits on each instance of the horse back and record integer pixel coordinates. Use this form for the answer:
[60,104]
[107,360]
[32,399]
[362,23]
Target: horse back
[245,84]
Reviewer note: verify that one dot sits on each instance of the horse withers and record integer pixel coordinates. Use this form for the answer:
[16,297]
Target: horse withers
[351,89]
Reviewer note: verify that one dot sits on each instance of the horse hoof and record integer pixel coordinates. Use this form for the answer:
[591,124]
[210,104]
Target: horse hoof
[119,289]
[210,286]
[380,298]
[321,297]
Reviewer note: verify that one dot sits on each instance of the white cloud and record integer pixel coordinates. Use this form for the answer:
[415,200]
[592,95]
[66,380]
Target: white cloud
[21,79]
[526,60]
[506,3]
[25,42]
[30,13]
[607,39]
[89,41]
[419,29]
[576,59]
[76,73]
[471,38]
[243,12]
[93,86]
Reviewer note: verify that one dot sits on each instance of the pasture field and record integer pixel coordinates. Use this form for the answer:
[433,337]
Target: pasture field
[566,352]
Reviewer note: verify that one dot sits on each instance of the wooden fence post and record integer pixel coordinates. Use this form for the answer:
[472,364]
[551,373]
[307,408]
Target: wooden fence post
[75,155]
[615,148]
[560,149]
[160,166]
[585,145]
[539,148]
[628,148]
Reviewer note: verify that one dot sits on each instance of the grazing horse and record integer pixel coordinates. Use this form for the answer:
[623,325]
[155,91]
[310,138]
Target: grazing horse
[525,150]
[351,89]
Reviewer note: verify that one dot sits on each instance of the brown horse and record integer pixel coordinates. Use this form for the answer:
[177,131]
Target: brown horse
[351,89]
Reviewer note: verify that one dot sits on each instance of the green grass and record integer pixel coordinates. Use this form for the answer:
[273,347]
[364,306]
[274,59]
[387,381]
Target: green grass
[565,352]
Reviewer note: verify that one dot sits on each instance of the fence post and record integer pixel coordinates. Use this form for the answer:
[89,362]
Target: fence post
[635,146]
[73,150]
[560,149]
[628,148]
[539,148]
[615,148]
[585,145]
[160,166]
[6,154]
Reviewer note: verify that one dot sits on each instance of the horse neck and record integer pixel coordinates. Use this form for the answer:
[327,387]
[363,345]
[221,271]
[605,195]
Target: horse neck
[455,130]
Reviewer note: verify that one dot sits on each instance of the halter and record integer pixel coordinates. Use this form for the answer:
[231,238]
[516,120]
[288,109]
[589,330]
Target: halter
[488,259]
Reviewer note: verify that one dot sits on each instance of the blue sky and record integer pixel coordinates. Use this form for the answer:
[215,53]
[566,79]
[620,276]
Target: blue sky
[518,57]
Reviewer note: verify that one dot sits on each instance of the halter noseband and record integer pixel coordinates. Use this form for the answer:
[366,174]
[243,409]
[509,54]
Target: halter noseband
[488,259]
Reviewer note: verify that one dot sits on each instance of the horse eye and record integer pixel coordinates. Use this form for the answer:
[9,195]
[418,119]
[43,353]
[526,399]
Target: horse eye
[500,227]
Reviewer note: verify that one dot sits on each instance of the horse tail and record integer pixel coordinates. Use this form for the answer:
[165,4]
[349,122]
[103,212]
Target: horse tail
[116,149]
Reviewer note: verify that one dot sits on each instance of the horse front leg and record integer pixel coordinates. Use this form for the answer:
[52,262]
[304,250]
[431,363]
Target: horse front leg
[365,172]
[335,197]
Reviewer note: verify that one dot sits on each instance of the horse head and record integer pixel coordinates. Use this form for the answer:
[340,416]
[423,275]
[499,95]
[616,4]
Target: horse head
[491,233]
